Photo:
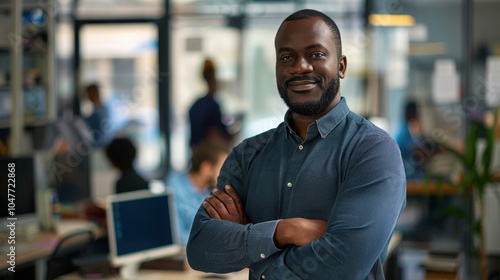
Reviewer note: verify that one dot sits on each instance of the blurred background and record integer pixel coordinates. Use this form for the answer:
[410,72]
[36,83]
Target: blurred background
[146,57]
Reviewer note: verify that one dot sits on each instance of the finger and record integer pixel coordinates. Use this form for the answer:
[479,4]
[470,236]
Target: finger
[226,200]
[218,204]
[237,201]
[212,212]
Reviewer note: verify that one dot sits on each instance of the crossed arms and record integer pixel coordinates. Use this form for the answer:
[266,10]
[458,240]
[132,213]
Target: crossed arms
[227,206]
[349,245]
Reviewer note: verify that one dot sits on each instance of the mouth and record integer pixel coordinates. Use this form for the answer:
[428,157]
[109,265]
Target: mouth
[302,85]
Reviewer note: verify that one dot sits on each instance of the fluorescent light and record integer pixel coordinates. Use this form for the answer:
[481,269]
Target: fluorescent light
[391,20]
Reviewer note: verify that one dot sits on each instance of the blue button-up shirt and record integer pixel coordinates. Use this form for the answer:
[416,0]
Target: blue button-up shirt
[187,200]
[347,171]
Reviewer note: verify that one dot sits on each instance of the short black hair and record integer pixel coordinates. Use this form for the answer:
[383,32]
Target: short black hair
[121,151]
[308,13]
[411,110]
[92,87]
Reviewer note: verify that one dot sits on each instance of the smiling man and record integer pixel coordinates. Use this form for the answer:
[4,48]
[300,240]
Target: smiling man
[317,197]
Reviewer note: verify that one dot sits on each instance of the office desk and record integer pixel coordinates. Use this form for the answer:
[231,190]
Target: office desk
[29,249]
[188,274]
[35,249]
[421,188]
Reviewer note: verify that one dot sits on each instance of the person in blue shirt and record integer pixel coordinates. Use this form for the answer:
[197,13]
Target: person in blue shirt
[193,186]
[99,121]
[317,197]
[205,116]
[417,149]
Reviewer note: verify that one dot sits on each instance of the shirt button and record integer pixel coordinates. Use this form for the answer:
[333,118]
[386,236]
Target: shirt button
[289,184]
[262,277]
[262,256]
[301,147]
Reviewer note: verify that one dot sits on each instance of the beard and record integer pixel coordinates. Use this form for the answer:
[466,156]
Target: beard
[313,107]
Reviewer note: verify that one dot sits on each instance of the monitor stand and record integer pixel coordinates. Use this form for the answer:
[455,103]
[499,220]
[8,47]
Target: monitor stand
[130,270]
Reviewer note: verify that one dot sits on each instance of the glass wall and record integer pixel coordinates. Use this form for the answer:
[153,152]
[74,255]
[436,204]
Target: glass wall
[122,60]
[193,40]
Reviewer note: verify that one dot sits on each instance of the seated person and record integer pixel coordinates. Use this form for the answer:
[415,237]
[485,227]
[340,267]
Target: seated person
[414,146]
[192,187]
[121,153]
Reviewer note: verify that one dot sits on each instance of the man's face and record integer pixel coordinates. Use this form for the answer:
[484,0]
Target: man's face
[308,66]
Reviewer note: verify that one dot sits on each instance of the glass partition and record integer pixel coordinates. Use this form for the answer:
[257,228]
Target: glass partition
[122,60]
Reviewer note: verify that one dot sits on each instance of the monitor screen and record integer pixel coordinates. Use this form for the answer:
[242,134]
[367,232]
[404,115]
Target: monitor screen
[22,183]
[71,169]
[141,227]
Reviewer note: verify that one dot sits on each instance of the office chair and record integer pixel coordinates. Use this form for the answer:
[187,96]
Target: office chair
[69,247]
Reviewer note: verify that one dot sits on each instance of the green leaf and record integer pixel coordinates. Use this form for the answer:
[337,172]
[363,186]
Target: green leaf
[456,153]
[471,145]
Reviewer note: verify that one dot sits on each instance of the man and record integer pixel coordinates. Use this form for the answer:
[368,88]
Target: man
[317,197]
[192,187]
[99,120]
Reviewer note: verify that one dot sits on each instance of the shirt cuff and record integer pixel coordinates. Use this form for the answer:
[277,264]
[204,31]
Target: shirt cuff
[265,250]
[260,242]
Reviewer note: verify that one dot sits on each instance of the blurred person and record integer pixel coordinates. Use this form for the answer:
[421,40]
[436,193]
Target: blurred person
[193,186]
[205,115]
[317,197]
[99,120]
[121,153]
[416,149]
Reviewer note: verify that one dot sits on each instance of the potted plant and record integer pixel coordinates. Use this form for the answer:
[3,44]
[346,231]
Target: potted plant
[475,176]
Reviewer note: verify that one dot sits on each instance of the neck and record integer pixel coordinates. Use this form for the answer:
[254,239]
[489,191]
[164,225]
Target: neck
[302,122]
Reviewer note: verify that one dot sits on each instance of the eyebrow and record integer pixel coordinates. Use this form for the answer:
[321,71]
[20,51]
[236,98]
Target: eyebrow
[313,46]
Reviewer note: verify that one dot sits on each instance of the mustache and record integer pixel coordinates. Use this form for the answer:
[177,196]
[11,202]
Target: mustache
[302,78]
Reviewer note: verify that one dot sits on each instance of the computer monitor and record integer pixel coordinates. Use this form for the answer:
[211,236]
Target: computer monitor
[18,190]
[70,170]
[141,227]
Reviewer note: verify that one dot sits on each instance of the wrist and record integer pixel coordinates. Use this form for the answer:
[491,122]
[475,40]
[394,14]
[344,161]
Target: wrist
[280,238]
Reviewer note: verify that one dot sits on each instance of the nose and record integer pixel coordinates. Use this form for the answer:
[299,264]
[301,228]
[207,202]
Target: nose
[301,66]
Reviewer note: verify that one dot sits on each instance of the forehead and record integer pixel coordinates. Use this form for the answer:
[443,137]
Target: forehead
[293,34]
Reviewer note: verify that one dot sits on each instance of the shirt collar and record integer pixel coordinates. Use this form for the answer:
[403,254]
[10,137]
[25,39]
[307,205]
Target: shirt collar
[325,124]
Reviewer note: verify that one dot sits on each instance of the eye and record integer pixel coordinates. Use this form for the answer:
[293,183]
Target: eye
[317,55]
[286,58]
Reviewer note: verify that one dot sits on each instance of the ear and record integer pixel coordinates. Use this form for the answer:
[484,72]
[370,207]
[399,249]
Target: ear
[342,66]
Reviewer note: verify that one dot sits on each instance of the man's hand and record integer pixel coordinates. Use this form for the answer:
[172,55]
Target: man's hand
[298,231]
[226,205]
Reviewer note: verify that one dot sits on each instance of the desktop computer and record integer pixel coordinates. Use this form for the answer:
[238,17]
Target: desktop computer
[18,192]
[141,227]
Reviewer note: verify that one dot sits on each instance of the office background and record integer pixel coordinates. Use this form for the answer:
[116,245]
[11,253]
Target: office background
[146,56]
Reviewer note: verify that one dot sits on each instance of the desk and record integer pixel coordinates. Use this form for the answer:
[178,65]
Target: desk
[421,188]
[188,274]
[37,248]
[414,187]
